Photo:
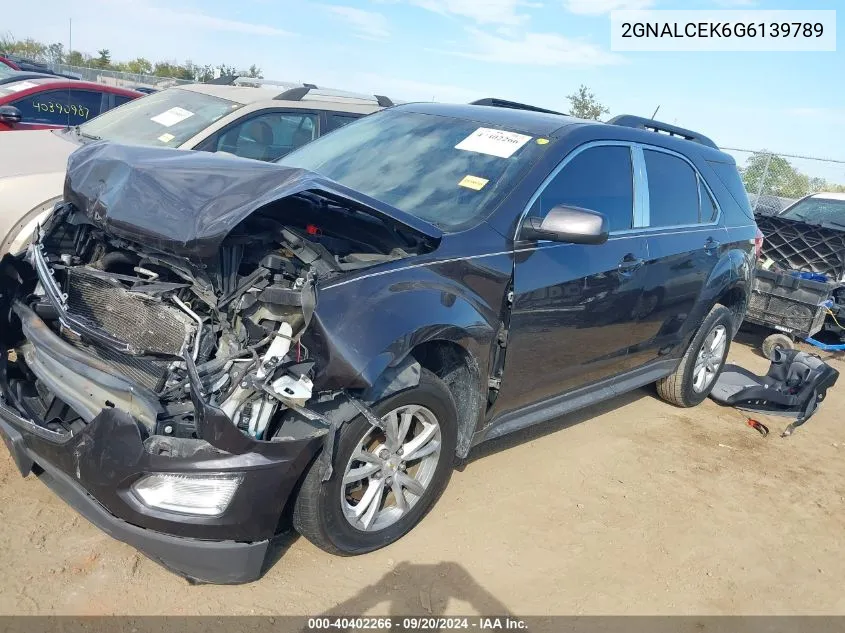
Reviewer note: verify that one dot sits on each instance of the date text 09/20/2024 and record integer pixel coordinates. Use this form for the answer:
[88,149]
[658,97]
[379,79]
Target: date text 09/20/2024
[480,623]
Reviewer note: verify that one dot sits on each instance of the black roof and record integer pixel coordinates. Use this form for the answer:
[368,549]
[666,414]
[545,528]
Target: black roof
[528,121]
[546,123]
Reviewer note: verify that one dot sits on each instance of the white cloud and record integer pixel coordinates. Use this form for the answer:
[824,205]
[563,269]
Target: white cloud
[535,49]
[366,24]
[481,11]
[599,7]
[197,20]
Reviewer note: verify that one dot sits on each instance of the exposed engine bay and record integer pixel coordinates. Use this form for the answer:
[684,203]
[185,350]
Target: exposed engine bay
[160,321]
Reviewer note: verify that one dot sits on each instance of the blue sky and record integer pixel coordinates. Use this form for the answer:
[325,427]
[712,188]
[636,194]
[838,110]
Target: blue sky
[536,51]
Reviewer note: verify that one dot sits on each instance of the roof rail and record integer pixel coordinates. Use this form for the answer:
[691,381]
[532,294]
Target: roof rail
[501,103]
[629,120]
[319,93]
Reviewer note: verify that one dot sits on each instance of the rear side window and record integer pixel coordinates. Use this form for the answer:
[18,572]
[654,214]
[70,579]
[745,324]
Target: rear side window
[600,179]
[339,120]
[60,107]
[672,190]
[119,100]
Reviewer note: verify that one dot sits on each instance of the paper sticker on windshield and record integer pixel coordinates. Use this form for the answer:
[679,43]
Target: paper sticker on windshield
[473,182]
[166,137]
[20,85]
[493,142]
[172,116]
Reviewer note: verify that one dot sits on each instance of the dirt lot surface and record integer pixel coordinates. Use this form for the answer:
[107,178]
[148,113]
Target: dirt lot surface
[629,507]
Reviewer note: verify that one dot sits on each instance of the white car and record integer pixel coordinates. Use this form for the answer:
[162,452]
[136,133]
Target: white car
[251,122]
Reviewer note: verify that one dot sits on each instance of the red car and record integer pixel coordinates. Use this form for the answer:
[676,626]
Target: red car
[9,63]
[37,104]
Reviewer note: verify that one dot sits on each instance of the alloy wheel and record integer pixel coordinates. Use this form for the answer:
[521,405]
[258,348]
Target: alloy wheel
[391,468]
[709,358]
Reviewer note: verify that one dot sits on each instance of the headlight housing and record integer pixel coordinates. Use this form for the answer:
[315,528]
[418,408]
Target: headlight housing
[208,494]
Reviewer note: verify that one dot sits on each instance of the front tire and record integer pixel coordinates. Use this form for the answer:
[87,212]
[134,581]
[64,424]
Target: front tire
[702,363]
[383,482]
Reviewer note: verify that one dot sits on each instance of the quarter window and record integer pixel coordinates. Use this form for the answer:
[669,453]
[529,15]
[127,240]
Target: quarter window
[672,190]
[709,211]
[598,178]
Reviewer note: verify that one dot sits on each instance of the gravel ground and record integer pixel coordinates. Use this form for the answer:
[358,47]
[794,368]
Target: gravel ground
[629,507]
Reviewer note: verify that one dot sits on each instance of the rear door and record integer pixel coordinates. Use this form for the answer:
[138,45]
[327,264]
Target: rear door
[575,305]
[685,239]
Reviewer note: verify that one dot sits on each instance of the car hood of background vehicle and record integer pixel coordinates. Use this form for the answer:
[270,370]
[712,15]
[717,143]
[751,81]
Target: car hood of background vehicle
[186,202]
[27,152]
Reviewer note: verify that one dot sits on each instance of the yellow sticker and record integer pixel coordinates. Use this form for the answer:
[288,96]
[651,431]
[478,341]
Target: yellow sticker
[542,141]
[473,182]
[166,138]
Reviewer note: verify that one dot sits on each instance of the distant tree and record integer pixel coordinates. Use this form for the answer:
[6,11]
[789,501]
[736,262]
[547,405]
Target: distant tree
[777,176]
[29,48]
[228,71]
[584,105]
[255,72]
[56,53]
[104,59]
[140,66]
[75,58]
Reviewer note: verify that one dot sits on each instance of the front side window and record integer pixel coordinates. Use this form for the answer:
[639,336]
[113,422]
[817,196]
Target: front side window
[164,119]
[268,136]
[60,107]
[672,190]
[598,178]
[449,171]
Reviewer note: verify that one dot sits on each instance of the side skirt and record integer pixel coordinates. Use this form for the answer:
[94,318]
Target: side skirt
[574,400]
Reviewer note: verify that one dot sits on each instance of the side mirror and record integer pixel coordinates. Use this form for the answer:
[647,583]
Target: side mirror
[567,224]
[10,114]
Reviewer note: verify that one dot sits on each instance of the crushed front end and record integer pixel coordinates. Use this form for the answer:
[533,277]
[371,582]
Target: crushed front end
[164,387]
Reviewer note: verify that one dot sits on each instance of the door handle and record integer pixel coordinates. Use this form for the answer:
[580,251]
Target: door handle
[711,245]
[629,264]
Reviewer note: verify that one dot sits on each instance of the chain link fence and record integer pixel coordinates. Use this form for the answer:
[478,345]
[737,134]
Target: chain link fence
[775,180]
[118,78]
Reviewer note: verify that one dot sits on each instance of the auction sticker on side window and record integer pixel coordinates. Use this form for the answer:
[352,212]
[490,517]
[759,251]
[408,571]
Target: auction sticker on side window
[172,116]
[493,142]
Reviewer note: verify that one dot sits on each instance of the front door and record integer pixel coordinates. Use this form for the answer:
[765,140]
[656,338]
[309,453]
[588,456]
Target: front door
[575,305]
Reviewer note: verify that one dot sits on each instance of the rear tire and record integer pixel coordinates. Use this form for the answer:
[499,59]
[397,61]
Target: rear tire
[702,363]
[774,342]
[326,513]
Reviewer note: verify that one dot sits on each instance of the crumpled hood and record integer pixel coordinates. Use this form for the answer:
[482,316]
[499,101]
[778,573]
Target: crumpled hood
[796,245]
[186,202]
[26,152]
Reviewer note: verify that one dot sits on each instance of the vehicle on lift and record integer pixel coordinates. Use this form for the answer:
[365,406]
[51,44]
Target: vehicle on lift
[203,349]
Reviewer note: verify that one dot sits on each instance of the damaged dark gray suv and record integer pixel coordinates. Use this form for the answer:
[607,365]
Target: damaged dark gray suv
[201,350]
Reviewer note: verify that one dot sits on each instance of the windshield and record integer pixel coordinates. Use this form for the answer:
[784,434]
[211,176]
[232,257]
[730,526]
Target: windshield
[164,119]
[818,210]
[440,169]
